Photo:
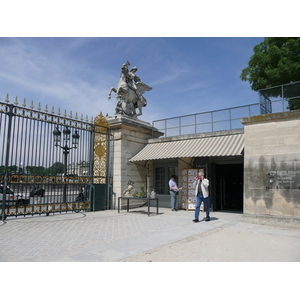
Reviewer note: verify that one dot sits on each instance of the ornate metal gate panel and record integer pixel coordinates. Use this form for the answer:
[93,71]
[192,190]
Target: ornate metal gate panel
[46,160]
[101,158]
[101,131]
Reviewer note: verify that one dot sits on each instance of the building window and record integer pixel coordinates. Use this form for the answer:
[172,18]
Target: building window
[160,180]
[162,176]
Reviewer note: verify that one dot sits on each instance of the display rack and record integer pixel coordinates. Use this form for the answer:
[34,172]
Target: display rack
[189,200]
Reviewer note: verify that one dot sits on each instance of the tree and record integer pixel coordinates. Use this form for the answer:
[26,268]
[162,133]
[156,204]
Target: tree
[36,170]
[56,168]
[276,61]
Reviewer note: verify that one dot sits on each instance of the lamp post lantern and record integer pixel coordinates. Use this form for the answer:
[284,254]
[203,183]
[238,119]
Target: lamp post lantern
[66,149]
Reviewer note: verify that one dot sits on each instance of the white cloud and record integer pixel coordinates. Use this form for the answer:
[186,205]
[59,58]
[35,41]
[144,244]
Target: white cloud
[76,73]
[55,79]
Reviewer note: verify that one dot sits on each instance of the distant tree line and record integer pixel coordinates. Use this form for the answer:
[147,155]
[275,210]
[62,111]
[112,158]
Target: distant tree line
[56,168]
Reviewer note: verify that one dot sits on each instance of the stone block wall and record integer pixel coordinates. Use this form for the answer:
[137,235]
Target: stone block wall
[272,165]
[129,137]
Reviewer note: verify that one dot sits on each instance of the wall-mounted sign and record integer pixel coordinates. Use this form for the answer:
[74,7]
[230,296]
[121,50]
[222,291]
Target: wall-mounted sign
[284,179]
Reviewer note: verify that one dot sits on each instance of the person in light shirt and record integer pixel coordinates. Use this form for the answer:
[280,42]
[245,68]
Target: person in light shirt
[201,185]
[173,192]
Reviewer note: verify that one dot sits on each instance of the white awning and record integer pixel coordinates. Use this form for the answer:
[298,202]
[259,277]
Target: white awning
[227,145]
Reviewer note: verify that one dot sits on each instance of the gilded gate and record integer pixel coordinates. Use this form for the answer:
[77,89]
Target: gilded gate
[49,161]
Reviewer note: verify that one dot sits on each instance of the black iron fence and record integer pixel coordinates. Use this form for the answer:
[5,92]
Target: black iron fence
[46,160]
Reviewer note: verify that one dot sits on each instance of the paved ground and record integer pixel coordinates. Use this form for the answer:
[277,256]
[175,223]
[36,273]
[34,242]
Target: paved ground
[107,236]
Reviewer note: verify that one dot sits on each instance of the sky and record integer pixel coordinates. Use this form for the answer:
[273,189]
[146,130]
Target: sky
[192,55]
[188,74]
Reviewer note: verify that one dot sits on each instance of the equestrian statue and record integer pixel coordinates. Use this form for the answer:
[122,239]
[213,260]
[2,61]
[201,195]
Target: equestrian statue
[129,92]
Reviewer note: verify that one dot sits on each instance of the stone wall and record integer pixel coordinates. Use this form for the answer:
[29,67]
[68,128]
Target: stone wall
[129,137]
[272,165]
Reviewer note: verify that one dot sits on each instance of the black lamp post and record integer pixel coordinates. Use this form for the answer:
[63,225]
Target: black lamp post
[66,148]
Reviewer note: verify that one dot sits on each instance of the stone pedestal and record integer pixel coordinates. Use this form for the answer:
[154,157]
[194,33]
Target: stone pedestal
[129,137]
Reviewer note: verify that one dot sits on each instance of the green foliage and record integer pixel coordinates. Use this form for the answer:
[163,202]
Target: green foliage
[275,61]
[142,193]
[11,169]
[36,170]
[294,104]
[56,168]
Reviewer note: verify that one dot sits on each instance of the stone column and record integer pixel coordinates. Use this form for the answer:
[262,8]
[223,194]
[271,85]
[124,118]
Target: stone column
[129,137]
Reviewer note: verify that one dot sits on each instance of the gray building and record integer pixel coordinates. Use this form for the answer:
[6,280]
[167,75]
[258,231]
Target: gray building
[254,169]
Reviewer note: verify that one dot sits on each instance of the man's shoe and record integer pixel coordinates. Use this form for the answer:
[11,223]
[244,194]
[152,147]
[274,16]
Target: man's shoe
[207,219]
[196,220]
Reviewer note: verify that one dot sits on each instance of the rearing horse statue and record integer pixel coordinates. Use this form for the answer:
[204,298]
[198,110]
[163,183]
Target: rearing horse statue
[129,92]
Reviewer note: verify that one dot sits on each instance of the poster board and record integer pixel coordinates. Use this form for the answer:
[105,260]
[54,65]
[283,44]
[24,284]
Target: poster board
[189,200]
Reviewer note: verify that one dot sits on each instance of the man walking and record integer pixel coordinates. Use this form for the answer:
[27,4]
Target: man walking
[201,192]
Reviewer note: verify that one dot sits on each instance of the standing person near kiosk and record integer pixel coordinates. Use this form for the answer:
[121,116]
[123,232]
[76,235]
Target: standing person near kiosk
[201,192]
[173,192]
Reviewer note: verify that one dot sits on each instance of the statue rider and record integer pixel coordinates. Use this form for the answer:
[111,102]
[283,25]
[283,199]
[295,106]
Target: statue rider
[127,102]
[132,79]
